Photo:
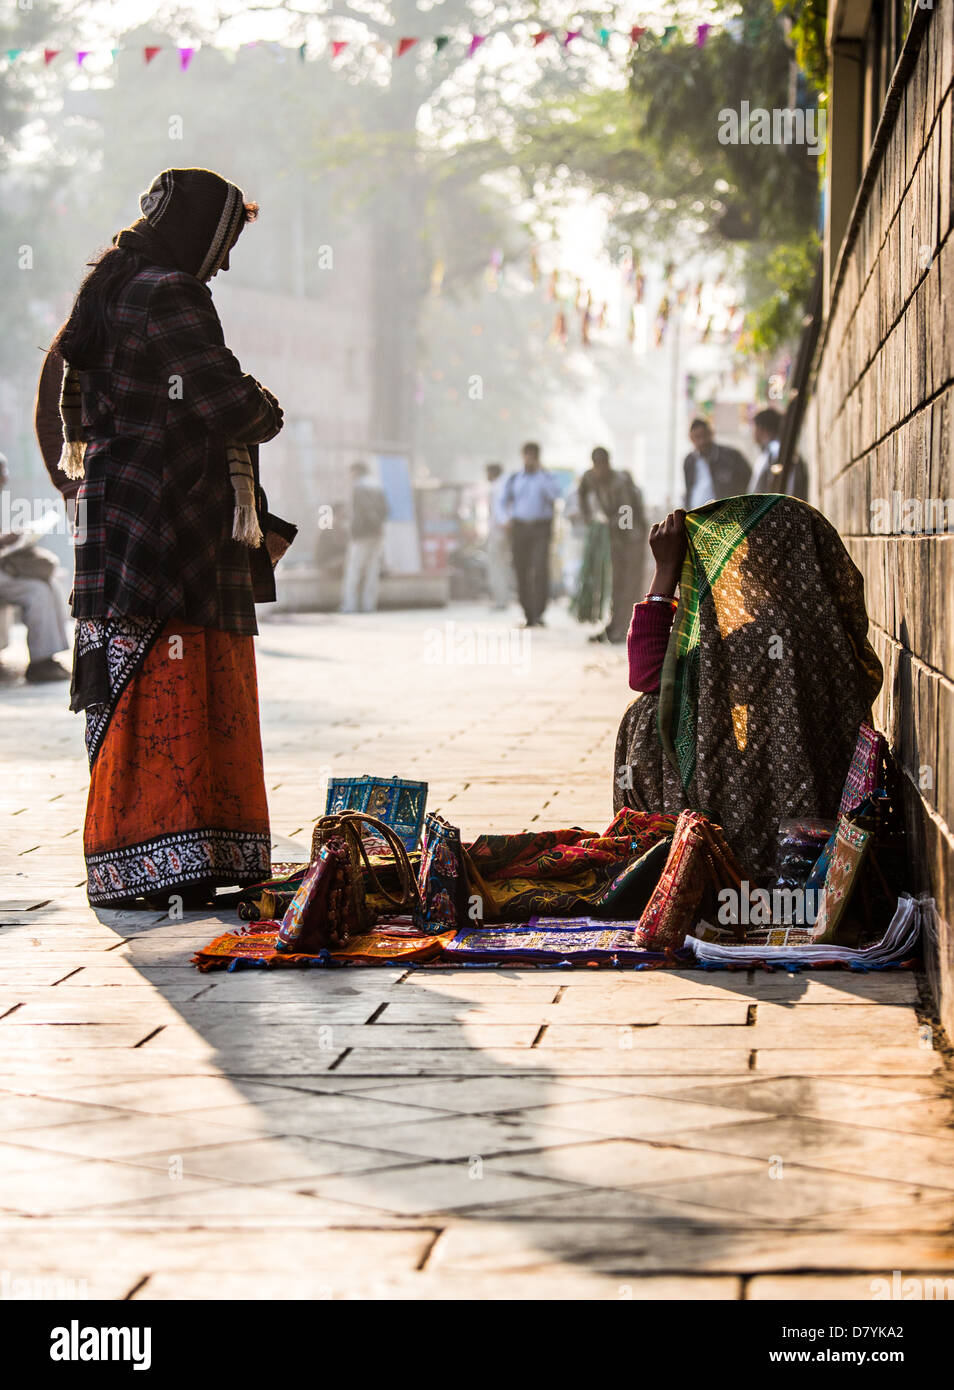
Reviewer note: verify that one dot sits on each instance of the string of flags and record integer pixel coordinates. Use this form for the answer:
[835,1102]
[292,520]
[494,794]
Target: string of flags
[697,36]
[708,309]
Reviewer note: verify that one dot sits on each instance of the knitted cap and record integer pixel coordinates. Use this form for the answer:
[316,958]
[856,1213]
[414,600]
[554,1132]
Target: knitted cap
[196,214]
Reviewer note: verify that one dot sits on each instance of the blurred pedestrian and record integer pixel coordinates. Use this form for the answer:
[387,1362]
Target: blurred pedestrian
[528,499]
[498,540]
[768,474]
[611,501]
[712,471]
[369,512]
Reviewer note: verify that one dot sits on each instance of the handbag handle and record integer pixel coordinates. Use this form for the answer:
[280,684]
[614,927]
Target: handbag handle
[348,823]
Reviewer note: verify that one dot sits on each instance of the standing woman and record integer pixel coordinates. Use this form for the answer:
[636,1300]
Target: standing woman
[157,417]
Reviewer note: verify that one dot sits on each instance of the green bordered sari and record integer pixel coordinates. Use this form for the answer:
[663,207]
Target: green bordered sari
[768,673]
[716,533]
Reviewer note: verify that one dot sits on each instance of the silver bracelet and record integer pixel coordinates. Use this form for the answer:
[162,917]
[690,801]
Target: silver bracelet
[658,598]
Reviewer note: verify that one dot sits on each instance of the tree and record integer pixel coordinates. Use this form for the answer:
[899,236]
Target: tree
[414,171]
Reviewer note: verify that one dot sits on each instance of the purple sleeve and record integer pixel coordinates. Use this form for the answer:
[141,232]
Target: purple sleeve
[646,644]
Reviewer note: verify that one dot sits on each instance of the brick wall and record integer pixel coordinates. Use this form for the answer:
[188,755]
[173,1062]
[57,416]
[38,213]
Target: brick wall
[884,420]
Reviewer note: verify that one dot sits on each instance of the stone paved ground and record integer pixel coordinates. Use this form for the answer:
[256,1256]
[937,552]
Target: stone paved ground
[391,1133]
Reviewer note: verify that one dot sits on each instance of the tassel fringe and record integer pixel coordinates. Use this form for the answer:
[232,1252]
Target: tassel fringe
[245,525]
[73,458]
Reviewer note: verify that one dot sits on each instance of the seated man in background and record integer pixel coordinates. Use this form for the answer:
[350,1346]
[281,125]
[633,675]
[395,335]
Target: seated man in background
[26,583]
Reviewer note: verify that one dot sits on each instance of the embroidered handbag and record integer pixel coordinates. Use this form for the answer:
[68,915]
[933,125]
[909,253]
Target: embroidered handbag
[331,906]
[866,772]
[442,880]
[865,872]
[700,863]
[398,803]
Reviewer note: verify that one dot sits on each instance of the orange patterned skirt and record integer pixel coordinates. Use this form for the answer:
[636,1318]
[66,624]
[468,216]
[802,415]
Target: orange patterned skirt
[177,787]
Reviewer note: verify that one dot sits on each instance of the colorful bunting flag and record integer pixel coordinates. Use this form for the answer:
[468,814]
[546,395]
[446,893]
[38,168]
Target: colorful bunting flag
[404,45]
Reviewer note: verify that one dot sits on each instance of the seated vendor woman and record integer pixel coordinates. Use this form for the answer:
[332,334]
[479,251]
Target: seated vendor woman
[753,685]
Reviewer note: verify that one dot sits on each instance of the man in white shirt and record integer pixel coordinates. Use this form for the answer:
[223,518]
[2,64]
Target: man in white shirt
[712,470]
[527,501]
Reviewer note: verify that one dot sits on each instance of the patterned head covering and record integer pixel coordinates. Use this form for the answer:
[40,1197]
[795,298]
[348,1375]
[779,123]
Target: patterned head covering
[769,671]
[190,219]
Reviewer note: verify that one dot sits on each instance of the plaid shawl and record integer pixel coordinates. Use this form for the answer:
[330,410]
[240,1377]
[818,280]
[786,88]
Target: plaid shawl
[155,509]
[767,676]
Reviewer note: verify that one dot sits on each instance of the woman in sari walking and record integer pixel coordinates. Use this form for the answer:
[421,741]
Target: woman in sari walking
[756,682]
[157,419]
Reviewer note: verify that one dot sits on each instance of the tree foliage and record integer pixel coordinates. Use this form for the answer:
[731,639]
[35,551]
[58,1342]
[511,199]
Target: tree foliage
[654,151]
[809,22]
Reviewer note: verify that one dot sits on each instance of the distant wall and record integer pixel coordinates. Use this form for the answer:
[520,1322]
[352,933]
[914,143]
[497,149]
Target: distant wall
[315,354]
[884,420]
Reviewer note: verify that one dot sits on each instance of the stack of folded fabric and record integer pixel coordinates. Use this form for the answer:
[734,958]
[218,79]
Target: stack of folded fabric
[897,947]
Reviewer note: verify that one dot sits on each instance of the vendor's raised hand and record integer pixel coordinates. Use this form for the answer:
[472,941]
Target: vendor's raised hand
[667,541]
